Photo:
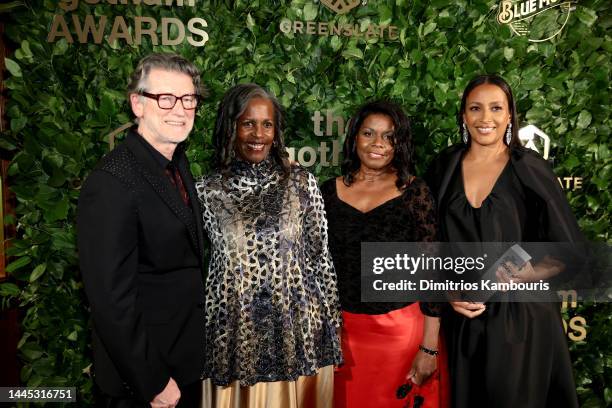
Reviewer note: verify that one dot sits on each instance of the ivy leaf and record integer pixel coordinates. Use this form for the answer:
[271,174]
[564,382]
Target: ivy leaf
[35,380]
[335,43]
[18,123]
[584,120]
[196,169]
[12,67]
[584,138]
[385,14]
[61,47]
[38,272]
[107,106]
[9,290]
[608,395]
[310,11]
[31,351]
[586,15]
[25,373]
[238,49]
[352,53]
[429,27]
[19,263]
[58,211]
[25,47]
[250,22]
[571,162]
[44,367]
[538,115]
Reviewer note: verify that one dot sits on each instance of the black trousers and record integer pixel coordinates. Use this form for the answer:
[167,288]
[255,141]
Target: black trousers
[191,397]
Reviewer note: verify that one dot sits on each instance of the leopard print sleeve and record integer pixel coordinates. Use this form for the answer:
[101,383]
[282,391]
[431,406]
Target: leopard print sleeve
[317,248]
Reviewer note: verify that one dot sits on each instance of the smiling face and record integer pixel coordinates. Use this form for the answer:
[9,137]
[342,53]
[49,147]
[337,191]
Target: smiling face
[374,142]
[487,114]
[164,128]
[255,130]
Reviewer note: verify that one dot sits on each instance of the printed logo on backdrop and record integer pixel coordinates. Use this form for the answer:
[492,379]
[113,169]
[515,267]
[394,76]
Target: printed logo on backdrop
[535,139]
[538,20]
[342,6]
[327,153]
[337,29]
[94,28]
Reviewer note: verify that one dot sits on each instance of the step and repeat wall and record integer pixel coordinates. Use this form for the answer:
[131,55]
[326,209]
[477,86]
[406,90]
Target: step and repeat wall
[67,106]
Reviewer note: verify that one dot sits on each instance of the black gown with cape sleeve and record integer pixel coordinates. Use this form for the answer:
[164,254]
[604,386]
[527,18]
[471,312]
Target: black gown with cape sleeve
[557,222]
[514,354]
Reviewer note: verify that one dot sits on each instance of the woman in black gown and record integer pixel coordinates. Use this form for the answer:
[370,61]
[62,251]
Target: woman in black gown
[490,189]
[379,200]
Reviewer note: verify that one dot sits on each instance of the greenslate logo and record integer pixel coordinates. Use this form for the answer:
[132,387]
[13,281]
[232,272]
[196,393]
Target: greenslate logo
[340,27]
[341,6]
[539,20]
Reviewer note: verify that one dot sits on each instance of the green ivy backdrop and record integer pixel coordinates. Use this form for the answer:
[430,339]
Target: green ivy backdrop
[66,98]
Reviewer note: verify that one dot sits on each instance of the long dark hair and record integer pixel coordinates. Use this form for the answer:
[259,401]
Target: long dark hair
[403,149]
[233,105]
[501,84]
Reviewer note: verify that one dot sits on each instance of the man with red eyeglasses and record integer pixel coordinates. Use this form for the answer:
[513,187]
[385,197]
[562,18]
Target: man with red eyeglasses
[140,246]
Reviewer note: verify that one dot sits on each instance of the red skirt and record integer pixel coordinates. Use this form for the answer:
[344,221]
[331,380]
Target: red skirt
[378,353]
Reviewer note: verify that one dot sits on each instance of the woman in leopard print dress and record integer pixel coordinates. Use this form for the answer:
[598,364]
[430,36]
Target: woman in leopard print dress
[272,308]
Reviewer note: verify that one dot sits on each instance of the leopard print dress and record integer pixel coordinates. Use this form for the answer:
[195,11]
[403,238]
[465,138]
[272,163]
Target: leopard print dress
[272,304]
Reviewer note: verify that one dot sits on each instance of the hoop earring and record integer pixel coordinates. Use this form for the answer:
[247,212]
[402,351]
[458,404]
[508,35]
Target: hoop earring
[508,134]
[464,133]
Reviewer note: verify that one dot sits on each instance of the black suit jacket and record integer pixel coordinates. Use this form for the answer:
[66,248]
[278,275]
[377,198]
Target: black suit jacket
[140,251]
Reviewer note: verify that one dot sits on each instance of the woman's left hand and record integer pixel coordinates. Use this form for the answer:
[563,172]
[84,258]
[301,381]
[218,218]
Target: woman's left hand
[510,272]
[423,366]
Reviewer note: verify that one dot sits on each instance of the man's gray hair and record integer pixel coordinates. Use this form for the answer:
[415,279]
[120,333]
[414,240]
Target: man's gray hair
[166,62]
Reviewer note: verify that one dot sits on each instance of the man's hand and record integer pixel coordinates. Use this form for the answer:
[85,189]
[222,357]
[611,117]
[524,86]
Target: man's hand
[169,397]
[468,309]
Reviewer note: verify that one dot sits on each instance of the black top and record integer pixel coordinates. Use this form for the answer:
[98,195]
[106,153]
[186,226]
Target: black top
[157,156]
[409,217]
[555,221]
[502,216]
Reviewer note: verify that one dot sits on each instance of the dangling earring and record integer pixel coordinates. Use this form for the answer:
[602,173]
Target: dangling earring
[508,134]
[465,134]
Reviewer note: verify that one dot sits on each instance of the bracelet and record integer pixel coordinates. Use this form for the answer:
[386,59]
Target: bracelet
[428,351]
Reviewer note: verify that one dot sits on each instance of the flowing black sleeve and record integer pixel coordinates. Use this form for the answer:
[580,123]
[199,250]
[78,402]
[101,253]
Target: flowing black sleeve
[422,207]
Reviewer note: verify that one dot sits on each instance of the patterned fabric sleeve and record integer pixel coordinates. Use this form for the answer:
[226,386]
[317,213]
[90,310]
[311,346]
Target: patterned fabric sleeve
[423,208]
[318,252]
